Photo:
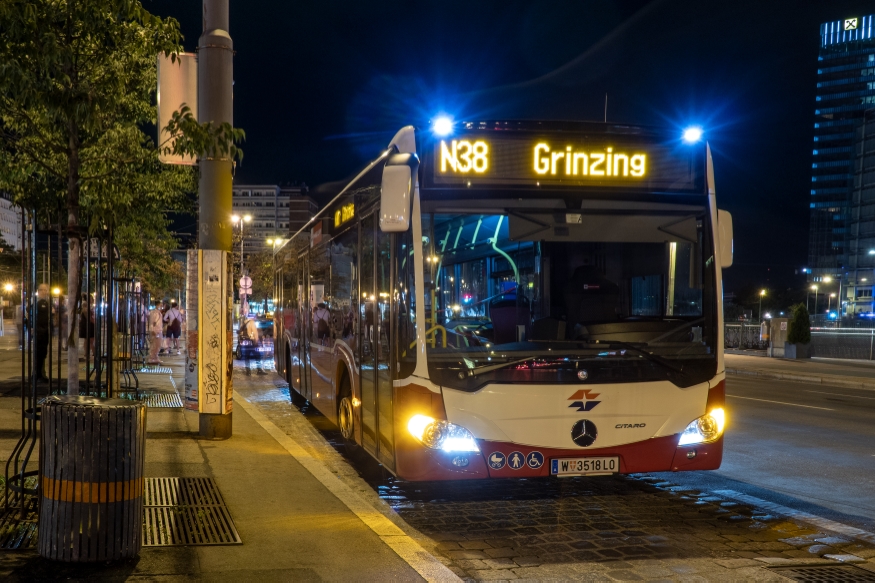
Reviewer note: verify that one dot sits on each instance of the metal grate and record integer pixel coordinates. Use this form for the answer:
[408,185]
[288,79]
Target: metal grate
[186,511]
[17,532]
[167,400]
[154,370]
[826,574]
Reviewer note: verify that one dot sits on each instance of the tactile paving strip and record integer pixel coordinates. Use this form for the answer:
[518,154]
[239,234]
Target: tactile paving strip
[186,511]
[826,574]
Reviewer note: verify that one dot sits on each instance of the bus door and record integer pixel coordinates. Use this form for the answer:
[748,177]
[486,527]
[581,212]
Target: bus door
[367,320]
[302,368]
[376,373]
[385,284]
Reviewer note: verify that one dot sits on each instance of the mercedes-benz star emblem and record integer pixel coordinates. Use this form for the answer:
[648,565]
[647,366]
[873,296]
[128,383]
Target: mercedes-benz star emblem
[584,433]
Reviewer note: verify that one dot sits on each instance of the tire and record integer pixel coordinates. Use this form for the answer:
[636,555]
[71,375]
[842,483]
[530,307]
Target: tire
[346,416]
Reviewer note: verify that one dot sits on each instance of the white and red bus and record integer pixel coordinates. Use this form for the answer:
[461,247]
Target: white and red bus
[514,299]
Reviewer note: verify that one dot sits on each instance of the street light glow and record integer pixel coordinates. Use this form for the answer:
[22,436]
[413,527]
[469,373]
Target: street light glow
[692,135]
[762,292]
[871,251]
[56,291]
[442,126]
[235,218]
[247,218]
[8,287]
[827,279]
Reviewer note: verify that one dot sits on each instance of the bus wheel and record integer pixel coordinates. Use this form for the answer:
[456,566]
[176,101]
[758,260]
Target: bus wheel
[345,417]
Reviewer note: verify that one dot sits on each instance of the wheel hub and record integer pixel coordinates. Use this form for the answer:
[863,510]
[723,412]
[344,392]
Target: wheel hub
[345,418]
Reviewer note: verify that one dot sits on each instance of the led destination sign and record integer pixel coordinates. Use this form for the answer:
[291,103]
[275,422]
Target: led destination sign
[602,161]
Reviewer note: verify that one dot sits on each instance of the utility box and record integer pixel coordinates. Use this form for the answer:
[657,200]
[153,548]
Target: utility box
[778,337]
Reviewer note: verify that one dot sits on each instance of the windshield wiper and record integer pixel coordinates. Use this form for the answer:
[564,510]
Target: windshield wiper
[491,367]
[648,355]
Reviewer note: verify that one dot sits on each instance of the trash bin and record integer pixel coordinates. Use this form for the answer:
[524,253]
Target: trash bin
[92,455]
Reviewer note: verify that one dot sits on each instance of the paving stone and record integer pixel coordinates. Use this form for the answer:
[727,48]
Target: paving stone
[624,576]
[846,558]
[736,563]
[821,549]
[495,575]
[466,554]
[832,540]
[475,544]
[501,553]
[527,561]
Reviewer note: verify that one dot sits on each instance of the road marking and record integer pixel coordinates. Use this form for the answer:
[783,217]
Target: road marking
[817,521]
[841,395]
[410,551]
[780,402]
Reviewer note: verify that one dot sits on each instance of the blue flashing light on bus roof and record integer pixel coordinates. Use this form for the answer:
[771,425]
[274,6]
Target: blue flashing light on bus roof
[692,135]
[442,126]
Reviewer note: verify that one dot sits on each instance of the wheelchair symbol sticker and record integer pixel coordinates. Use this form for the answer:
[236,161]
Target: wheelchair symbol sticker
[496,460]
[535,460]
[516,460]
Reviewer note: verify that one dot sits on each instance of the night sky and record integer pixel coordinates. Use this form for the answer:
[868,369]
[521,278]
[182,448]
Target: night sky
[321,87]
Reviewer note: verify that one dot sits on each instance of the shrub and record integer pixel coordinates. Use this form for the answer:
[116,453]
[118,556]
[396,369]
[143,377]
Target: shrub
[800,326]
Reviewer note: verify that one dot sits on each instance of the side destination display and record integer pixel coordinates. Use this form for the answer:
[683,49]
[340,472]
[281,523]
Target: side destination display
[484,159]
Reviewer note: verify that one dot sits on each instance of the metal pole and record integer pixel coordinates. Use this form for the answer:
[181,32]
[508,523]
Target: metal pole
[215,104]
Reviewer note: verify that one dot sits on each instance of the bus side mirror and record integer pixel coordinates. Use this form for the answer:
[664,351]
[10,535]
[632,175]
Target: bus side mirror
[396,195]
[724,237]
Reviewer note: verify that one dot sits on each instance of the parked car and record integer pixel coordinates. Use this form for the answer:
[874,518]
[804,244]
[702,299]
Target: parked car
[260,348]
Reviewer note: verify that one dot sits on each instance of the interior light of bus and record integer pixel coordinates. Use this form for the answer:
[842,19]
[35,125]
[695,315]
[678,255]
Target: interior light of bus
[706,428]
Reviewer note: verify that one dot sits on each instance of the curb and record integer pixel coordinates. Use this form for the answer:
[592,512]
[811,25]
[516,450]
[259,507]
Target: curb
[842,381]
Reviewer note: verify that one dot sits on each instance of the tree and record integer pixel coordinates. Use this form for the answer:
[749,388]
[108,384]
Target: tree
[261,271]
[799,331]
[76,85]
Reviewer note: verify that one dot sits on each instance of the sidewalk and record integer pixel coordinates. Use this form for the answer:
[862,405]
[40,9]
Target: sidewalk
[293,527]
[827,371]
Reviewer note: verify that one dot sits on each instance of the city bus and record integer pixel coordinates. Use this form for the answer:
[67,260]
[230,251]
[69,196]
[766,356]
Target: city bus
[509,299]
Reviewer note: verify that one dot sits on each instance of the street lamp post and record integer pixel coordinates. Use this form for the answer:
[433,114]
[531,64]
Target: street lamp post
[241,220]
[762,293]
[829,303]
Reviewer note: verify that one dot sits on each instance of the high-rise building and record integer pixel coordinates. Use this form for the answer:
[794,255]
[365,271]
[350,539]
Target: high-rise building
[10,222]
[271,208]
[845,91]
[859,272]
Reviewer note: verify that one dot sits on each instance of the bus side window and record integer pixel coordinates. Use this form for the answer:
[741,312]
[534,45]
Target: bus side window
[344,286]
[405,306]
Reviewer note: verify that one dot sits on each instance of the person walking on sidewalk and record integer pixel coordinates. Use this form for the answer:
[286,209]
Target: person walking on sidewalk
[86,326]
[41,331]
[173,319]
[250,332]
[156,326]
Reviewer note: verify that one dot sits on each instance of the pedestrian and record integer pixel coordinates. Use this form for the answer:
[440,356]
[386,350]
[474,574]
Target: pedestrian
[321,322]
[165,343]
[62,322]
[41,332]
[156,327]
[19,323]
[86,325]
[173,319]
[250,332]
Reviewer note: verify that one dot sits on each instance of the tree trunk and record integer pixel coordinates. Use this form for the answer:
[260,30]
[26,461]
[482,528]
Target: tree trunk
[73,258]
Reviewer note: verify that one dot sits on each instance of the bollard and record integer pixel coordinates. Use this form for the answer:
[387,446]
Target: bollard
[92,456]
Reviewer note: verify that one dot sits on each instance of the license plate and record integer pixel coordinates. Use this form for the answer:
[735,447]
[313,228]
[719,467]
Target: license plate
[584,466]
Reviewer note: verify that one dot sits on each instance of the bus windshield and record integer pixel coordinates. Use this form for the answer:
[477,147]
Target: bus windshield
[551,297]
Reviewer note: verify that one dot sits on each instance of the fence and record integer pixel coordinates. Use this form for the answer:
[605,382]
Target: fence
[743,336]
[843,343]
[850,343]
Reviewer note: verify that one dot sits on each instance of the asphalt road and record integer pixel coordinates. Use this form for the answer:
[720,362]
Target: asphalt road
[806,446]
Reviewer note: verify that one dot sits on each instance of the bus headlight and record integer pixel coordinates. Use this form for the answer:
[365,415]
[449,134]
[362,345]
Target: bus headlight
[441,435]
[706,428]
